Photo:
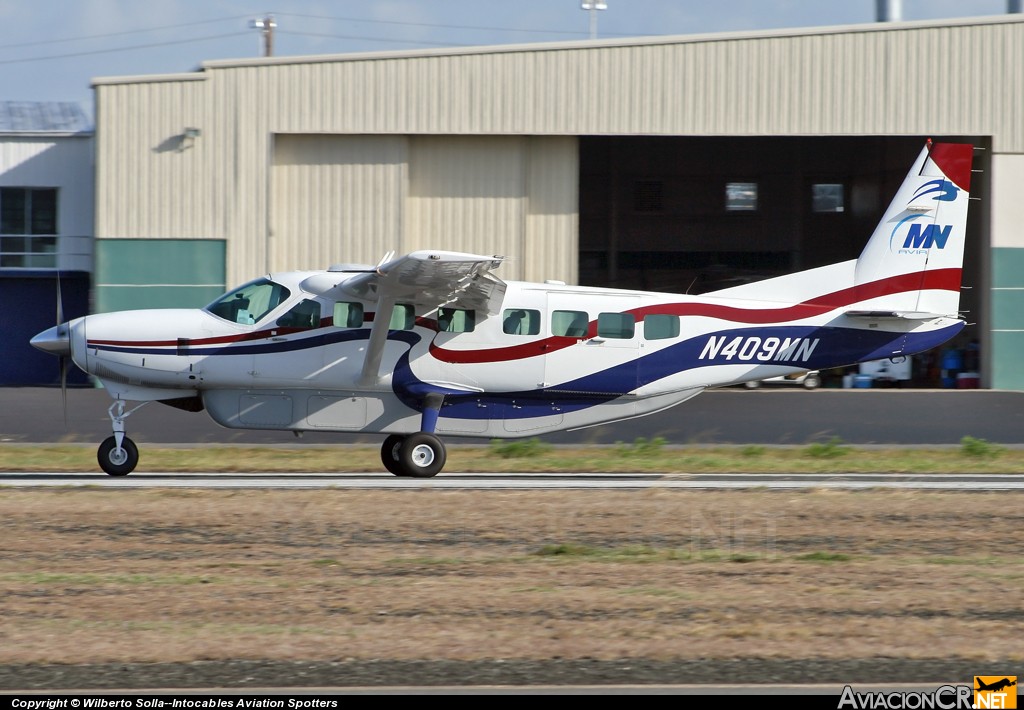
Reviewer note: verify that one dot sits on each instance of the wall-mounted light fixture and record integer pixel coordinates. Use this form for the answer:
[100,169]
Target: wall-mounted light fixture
[188,137]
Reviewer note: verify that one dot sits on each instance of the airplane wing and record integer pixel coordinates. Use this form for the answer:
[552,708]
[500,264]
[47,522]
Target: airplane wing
[425,279]
[433,278]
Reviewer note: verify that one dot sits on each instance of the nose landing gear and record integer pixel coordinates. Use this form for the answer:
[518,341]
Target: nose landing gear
[118,455]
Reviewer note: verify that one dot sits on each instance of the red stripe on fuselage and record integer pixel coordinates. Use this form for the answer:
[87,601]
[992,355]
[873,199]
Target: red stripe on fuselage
[219,339]
[940,279]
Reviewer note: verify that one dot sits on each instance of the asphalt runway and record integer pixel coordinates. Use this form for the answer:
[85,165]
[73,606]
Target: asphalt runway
[767,416]
[526,481]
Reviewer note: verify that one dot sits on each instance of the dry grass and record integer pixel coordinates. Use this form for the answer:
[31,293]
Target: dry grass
[149,575]
[974,456]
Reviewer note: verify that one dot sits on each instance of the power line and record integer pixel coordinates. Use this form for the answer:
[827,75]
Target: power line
[110,50]
[449,27]
[120,34]
[370,39]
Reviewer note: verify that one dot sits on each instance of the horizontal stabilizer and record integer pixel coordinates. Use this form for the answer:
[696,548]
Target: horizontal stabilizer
[896,315]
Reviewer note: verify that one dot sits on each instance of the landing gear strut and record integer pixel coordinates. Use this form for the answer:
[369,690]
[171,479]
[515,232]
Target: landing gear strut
[118,455]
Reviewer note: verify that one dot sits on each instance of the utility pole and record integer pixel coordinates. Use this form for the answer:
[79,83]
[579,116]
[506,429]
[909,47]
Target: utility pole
[266,27]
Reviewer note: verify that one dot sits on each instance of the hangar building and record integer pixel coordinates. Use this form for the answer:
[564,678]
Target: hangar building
[46,219]
[678,163]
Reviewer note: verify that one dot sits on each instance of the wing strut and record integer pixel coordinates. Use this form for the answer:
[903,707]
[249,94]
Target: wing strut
[378,339]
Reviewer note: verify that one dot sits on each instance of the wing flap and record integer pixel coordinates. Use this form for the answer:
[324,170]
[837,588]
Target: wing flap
[433,278]
[425,279]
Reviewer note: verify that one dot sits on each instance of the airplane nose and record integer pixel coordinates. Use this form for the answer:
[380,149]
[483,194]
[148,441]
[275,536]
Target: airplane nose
[55,340]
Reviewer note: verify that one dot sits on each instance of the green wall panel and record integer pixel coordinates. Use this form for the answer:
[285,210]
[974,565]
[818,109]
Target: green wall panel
[1007,319]
[1008,309]
[1007,268]
[1008,360]
[152,273]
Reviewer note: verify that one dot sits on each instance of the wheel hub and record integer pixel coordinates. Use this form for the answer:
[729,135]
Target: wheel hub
[423,455]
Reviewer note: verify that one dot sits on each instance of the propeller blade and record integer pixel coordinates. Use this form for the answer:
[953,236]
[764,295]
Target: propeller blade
[60,302]
[64,387]
[62,361]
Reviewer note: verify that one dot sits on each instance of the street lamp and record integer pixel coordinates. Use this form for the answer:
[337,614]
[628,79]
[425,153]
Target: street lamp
[593,7]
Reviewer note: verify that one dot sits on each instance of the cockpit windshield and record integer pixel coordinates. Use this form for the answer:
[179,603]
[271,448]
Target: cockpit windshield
[248,303]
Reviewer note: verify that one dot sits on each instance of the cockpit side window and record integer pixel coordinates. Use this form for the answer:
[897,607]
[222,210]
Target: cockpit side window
[249,303]
[303,315]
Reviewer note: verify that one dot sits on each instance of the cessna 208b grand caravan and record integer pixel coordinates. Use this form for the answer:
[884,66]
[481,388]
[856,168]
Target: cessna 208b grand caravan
[434,343]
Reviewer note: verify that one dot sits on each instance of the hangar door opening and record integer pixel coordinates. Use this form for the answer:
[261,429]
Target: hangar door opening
[697,214]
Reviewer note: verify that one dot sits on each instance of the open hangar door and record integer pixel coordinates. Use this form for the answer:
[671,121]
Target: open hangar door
[695,214]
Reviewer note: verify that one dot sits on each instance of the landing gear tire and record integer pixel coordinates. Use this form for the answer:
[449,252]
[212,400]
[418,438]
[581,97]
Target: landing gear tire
[812,382]
[118,462]
[389,454]
[421,455]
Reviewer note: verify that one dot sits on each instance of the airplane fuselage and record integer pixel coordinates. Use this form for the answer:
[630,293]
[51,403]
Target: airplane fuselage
[552,357]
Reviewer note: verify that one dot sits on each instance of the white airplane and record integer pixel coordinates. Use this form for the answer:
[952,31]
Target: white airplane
[434,343]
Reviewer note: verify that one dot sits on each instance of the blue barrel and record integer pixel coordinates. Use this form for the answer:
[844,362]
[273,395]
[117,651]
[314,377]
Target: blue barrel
[862,381]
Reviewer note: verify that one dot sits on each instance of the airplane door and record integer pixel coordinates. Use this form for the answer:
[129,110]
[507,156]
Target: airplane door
[595,344]
[289,354]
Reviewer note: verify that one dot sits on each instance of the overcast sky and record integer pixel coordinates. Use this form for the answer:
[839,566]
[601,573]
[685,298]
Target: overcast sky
[50,50]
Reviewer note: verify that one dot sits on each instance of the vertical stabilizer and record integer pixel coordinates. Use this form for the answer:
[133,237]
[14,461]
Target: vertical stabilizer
[914,259]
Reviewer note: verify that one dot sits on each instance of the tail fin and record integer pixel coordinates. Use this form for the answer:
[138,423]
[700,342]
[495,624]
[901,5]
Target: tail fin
[914,259]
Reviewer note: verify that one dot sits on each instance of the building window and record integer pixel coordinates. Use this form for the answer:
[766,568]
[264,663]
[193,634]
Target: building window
[28,228]
[741,197]
[827,197]
[648,196]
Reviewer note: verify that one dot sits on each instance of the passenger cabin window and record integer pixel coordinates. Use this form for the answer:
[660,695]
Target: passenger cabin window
[455,320]
[348,315]
[304,315]
[660,327]
[521,321]
[616,325]
[248,303]
[403,317]
[573,324]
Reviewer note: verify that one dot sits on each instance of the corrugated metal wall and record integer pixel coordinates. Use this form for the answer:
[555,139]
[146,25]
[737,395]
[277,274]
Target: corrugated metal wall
[336,199]
[964,78]
[353,198]
[66,163]
[912,78]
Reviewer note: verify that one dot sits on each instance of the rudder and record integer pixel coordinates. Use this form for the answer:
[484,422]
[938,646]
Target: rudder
[914,259]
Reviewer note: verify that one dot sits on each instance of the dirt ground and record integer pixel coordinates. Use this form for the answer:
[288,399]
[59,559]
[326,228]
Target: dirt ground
[191,588]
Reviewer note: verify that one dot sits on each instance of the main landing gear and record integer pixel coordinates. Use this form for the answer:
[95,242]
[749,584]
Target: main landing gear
[118,455]
[419,455]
